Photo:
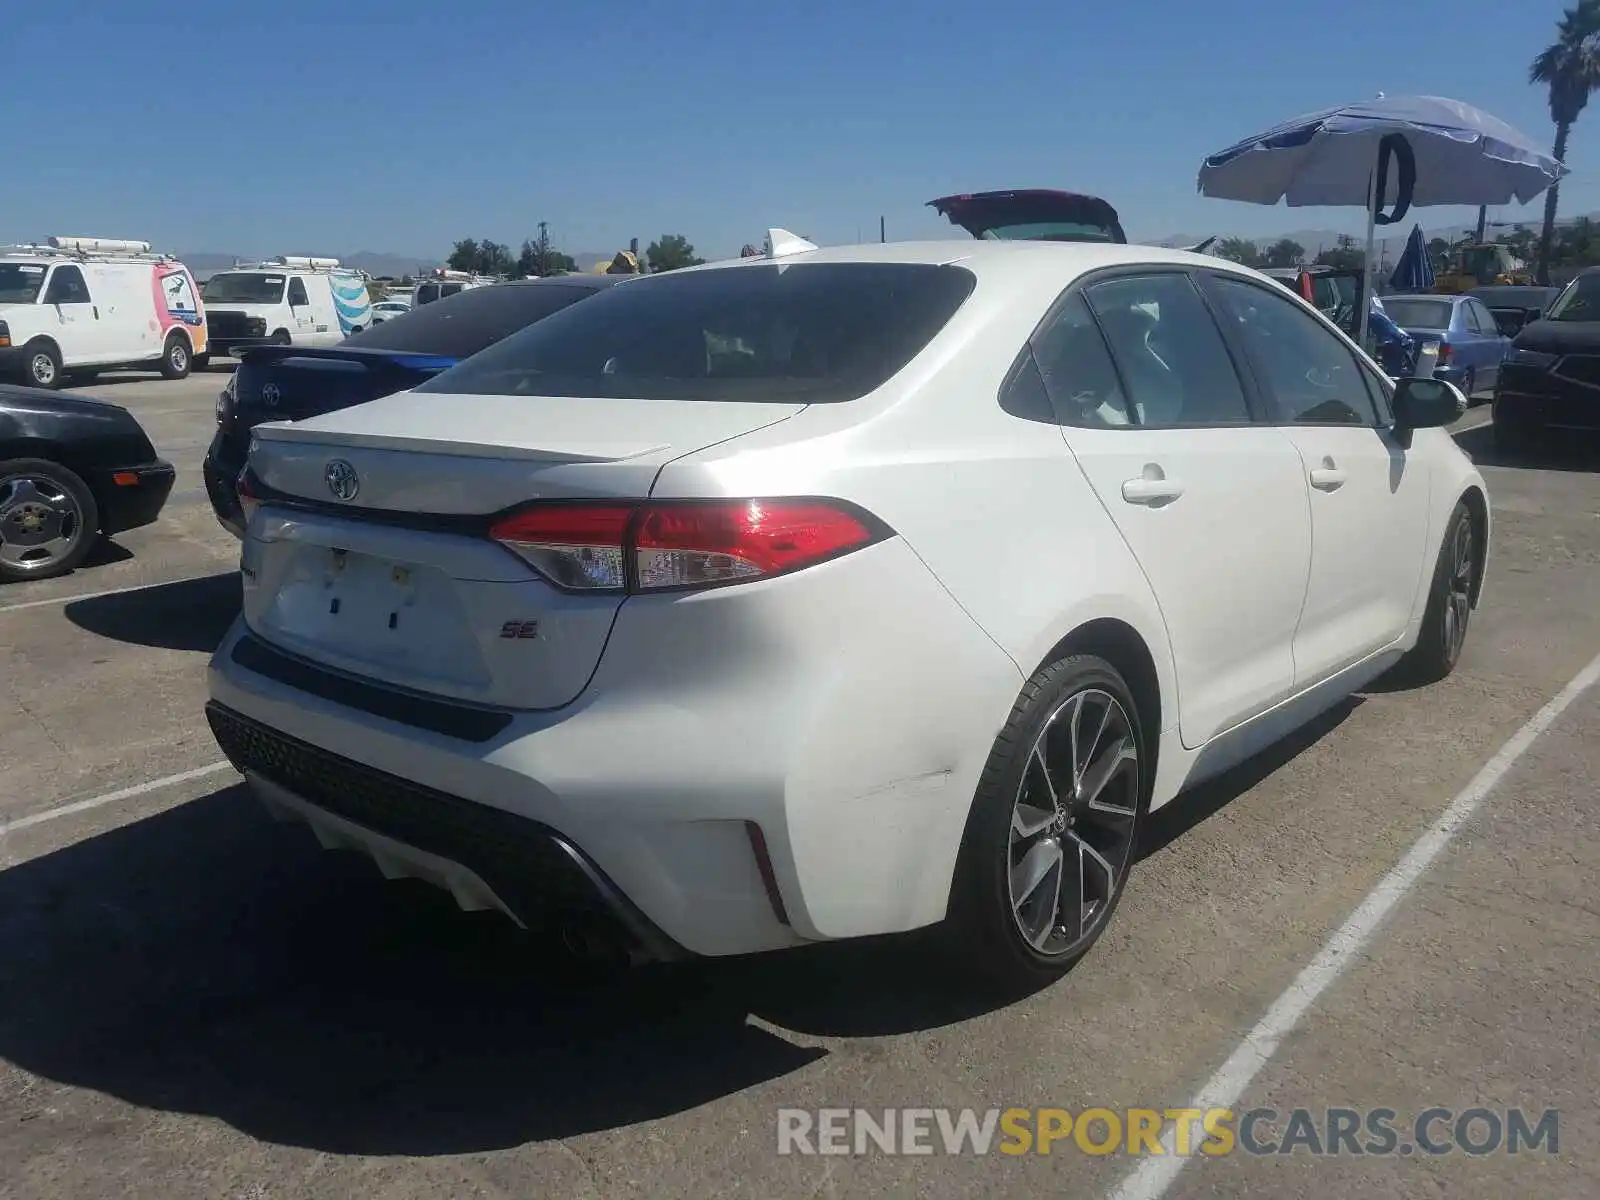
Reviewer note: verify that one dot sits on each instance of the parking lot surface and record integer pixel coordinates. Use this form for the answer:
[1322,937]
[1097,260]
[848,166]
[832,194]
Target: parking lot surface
[198,1002]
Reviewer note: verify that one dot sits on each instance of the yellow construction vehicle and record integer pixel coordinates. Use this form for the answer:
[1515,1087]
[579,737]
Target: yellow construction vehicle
[1481,264]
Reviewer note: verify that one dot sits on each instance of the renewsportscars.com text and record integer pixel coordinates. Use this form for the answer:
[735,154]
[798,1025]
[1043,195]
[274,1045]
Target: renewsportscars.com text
[1140,1131]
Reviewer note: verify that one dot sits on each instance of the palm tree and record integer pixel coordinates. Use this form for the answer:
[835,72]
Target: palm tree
[1570,68]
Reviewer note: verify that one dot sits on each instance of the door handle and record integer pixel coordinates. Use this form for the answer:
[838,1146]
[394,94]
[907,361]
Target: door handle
[1327,477]
[96,310]
[1153,492]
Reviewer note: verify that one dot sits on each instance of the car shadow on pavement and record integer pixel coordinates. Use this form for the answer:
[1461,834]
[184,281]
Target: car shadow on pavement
[105,553]
[1170,822]
[191,614]
[206,960]
[1571,454]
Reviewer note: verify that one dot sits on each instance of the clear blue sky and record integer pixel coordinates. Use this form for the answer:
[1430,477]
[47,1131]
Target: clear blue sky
[293,126]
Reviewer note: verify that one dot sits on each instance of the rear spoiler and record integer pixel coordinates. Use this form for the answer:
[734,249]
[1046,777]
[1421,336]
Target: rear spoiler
[270,352]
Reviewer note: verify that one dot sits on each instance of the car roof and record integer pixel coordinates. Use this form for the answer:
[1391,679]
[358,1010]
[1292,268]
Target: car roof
[982,255]
[1422,296]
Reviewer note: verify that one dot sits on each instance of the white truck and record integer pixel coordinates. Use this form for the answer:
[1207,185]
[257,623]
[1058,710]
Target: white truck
[290,300]
[442,282]
[79,306]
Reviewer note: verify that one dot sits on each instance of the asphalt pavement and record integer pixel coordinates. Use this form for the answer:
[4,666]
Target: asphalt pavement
[197,1002]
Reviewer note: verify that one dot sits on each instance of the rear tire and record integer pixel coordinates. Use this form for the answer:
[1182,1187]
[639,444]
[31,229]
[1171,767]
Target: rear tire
[1445,621]
[175,357]
[1054,827]
[200,362]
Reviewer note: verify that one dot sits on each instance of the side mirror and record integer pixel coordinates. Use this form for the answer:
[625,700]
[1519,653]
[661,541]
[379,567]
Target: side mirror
[1426,404]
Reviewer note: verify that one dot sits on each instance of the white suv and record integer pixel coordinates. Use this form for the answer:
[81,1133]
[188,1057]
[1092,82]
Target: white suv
[839,592]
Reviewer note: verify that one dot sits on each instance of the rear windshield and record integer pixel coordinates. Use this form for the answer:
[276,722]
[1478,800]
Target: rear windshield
[1580,301]
[461,325]
[805,333]
[1051,231]
[1418,314]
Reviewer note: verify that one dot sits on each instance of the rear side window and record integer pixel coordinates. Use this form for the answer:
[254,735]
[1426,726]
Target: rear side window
[1077,369]
[1169,353]
[427,293]
[806,333]
[297,292]
[462,325]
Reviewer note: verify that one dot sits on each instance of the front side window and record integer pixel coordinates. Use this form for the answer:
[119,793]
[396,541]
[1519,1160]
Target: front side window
[1311,374]
[67,287]
[809,333]
[1170,356]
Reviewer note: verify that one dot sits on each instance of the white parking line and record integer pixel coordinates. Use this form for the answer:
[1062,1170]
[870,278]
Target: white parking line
[127,793]
[133,587]
[1155,1174]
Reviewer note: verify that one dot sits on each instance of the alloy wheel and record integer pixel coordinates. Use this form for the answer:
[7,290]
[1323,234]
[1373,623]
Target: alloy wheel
[1073,823]
[1458,591]
[39,523]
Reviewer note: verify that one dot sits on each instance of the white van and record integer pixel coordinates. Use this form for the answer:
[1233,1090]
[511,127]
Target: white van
[86,305]
[289,300]
[442,282]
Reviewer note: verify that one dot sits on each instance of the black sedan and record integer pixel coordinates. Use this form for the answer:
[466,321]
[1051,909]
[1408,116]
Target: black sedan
[1550,384]
[288,383]
[71,469]
[1515,305]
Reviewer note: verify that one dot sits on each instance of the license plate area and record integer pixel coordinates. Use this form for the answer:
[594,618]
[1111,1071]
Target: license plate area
[400,620]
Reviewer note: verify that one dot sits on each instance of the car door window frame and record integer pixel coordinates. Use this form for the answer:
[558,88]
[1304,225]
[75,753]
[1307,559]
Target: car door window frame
[1271,407]
[1255,401]
[62,272]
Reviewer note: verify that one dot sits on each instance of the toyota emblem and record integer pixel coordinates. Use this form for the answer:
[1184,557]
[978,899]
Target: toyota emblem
[270,395]
[342,479]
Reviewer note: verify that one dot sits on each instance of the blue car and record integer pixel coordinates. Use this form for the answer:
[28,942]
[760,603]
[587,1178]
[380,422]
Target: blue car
[1471,346]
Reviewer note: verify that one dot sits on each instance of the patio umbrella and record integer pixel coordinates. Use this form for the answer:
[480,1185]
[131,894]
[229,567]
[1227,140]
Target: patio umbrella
[1414,271]
[1442,152]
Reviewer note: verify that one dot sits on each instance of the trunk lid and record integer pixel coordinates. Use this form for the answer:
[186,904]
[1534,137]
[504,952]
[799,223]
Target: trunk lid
[401,584]
[1032,214]
[288,383]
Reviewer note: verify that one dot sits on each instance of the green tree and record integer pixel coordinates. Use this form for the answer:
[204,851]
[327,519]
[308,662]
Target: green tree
[539,257]
[1522,242]
[1439,253]
[481,258]
[1570,69]
[671,251]
[1240,250]
[1345,256]
[1285,252]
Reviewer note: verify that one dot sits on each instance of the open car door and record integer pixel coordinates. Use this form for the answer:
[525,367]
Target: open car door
[1032,215]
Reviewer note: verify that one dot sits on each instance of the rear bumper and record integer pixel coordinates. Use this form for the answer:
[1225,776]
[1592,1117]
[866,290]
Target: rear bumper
[852,747]
[220,471]
[132,497]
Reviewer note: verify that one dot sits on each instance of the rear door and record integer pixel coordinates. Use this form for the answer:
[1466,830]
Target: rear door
[1492,344]
[1211,504]
[1368,497]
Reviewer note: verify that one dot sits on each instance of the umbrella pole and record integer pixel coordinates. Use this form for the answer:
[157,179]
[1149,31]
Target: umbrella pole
[1366,263]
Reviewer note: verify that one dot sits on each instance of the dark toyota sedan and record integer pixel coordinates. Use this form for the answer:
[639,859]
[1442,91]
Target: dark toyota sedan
[1550,383]
[290,383]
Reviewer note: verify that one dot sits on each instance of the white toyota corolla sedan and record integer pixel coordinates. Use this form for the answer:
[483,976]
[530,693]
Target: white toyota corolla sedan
[838,592]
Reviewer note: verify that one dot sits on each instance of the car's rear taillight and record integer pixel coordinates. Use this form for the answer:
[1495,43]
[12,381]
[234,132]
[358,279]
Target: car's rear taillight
[248,500]
[676,545]
[1444,353]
